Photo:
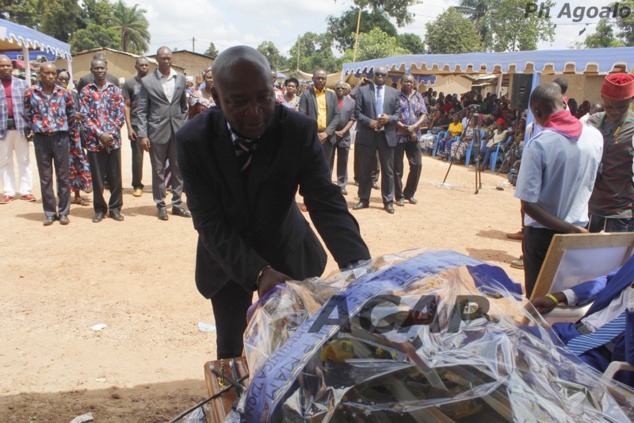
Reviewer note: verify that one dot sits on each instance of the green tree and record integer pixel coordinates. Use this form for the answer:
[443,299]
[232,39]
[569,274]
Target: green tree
[452,33]
[343,28]
[132,26]
[476,11]
[397,9]
[603,37]
[315,51]
[411,42]
[373,45]
[625,25]
[59,19]
[23,12]
[211,51]
[94,36]
[98,12]
[511,30]
[272,54]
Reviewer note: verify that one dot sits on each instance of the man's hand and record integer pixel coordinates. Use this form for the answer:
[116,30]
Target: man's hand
[543,304]
[145,143]
[384,119]
[339,134]
[374,124]
[322,137]
[131,134]
[579,230]
[107,139]
[269,278]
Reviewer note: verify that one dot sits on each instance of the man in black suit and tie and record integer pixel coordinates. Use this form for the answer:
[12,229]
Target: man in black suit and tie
[322,105]
[242,165]
[377,111]
[161,112]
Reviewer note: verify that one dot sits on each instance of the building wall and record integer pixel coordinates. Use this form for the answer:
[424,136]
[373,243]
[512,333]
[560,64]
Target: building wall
[120,65]
[193,64]
[581,87]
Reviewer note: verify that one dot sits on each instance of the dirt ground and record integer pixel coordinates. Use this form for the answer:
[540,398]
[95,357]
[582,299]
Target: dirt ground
[137,277]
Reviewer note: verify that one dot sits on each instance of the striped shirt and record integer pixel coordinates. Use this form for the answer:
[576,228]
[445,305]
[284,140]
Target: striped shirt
[613,194]
[18,88]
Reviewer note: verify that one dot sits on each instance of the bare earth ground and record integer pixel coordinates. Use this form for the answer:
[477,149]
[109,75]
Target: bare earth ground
[137,276]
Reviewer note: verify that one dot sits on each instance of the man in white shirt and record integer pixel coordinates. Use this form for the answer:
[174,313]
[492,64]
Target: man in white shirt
[162,111]
[556,179]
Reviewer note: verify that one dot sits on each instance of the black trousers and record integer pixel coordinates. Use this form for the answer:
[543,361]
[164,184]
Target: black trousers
[374,166]
[49,152]
[328,152]
[104,165]
[534,247]
[137,162]
[386,158]
[230,306]
[342,164]
[415,160]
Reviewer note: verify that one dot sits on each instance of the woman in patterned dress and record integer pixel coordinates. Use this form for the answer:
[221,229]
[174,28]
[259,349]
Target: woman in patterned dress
[80,177]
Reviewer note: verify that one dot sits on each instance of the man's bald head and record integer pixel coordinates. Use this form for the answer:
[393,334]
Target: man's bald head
[243,90]
[546,100]
[6,67]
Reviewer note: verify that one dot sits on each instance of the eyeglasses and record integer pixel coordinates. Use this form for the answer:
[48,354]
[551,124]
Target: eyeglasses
[380,74]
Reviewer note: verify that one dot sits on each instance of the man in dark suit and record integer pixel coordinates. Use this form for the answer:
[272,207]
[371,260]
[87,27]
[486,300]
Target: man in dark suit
[242,164]
[346,120]
[613,305]
[161,112]
[377,111]
[321,104]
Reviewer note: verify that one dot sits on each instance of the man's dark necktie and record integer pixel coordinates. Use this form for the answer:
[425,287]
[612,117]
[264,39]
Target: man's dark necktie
[244,148]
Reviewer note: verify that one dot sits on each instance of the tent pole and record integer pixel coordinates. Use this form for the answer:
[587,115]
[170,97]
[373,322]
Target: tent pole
[27,64]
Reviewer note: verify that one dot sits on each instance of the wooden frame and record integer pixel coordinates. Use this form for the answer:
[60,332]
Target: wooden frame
[562,243]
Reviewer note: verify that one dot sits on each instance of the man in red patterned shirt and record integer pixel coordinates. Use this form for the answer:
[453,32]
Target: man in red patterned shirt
[49,113]
[102,111]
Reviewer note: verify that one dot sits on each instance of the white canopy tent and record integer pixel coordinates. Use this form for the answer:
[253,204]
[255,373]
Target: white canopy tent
[17,37]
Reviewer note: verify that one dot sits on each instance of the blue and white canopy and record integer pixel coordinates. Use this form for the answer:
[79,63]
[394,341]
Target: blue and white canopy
[15,37]
[599,60]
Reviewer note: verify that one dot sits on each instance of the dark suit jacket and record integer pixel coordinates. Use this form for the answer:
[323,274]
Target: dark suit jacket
[245,223]
[308,106]
[365,112]
[158,118]
[346,114]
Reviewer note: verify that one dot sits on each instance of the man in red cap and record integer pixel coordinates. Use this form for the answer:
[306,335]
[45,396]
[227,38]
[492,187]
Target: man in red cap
[612,200]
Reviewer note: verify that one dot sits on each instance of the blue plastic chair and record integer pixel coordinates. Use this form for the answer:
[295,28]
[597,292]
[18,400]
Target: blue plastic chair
[470,148]
[494,155]
[438,138]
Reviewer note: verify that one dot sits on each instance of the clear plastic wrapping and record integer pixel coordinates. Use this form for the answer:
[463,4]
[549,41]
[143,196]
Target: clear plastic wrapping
[420,336]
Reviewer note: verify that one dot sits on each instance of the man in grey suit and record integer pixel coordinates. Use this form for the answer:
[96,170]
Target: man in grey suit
[161,111]
[346,120]
[377,111]
[322,105]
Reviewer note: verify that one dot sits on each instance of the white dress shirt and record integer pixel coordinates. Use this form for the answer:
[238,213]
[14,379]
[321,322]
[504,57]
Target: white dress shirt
[169,84]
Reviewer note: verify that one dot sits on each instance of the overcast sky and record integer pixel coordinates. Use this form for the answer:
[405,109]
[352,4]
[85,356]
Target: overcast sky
[231,22]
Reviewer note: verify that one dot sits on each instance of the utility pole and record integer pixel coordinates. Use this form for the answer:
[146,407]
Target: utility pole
[356,38]
[299,38]
[193,44]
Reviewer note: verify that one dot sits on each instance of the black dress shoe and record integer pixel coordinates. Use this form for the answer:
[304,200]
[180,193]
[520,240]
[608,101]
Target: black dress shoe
[63,220]
[389,208]
[412,200]
[116,215]
[360,205]
[98,217]
[179,211]
[375,185]
[400,202]
[162,214]
[49,220]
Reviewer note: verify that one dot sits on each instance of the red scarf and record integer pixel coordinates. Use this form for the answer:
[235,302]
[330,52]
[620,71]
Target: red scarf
[565,124]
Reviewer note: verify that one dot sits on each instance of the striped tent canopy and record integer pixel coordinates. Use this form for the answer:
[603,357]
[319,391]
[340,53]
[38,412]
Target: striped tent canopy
[16,37]
[588,61]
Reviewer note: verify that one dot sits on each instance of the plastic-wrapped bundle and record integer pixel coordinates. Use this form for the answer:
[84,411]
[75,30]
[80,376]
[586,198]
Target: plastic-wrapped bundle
[422,336]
